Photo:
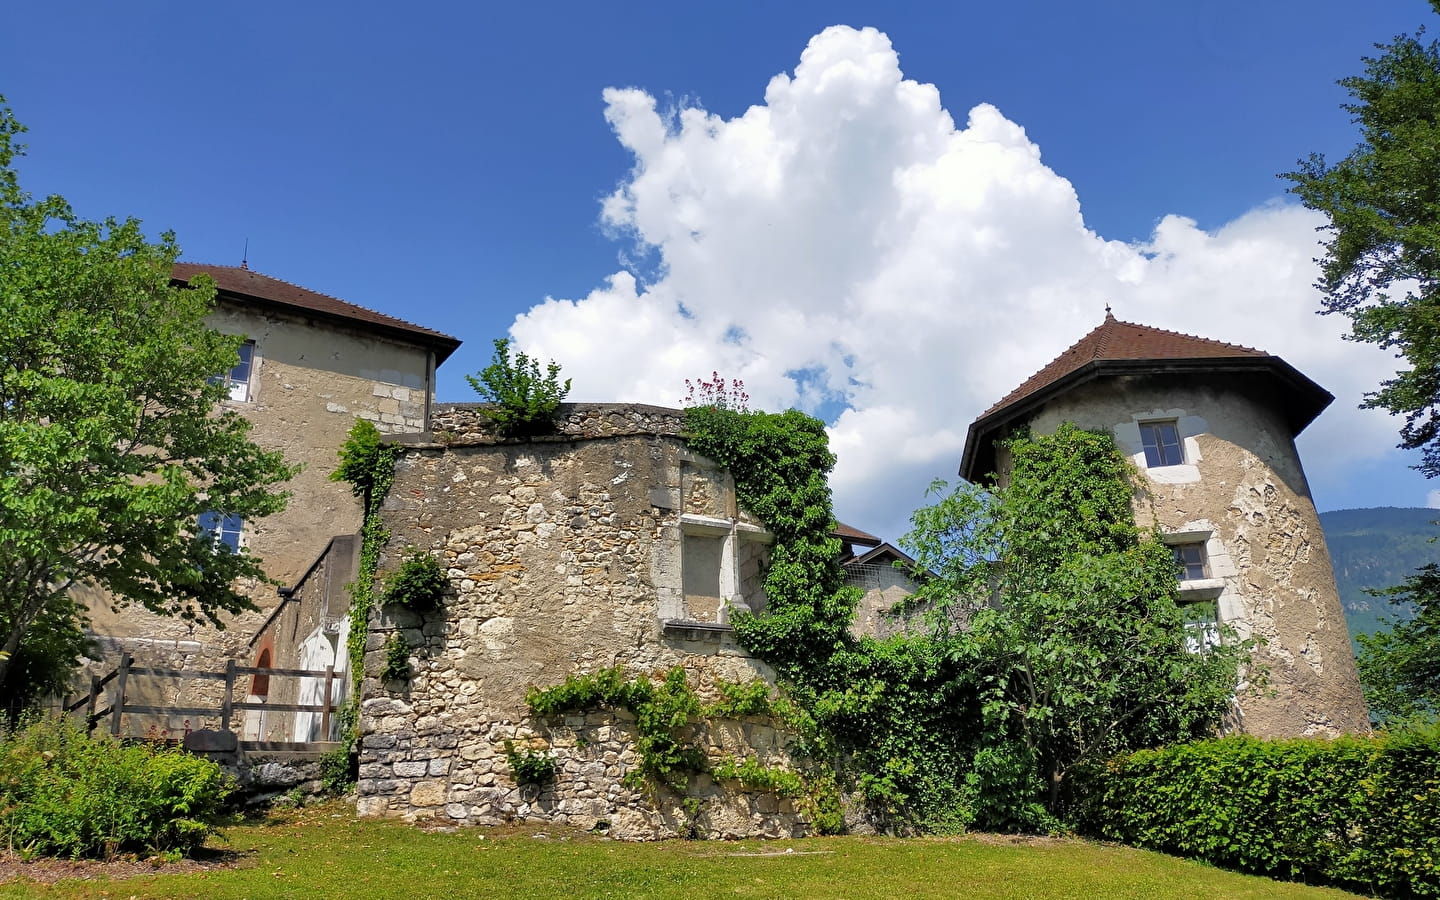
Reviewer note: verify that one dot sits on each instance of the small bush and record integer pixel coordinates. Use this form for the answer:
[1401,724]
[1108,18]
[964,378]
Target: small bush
[524,401]
[65,793]
[420,583]
[397,659]
[529,767]
[1355,811]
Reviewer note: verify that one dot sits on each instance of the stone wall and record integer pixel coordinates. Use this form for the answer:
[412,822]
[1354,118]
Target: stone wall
[564,557]
[1243,494]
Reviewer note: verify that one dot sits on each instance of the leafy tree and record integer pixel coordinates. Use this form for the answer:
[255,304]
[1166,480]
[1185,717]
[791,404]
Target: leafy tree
[1400,668]
[110,442]
[524,400]
[1070,623]
[1382,261]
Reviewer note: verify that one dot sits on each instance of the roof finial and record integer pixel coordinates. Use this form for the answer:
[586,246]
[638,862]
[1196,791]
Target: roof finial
[245,257]
[1109,316]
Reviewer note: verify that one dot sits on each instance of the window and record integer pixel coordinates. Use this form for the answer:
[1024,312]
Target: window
[1162,444]
[237,380]
[1190,558]
[1202,625]
[223,528]
[702,558]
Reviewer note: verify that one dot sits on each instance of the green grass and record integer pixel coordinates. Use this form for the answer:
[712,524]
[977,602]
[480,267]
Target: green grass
[327,852]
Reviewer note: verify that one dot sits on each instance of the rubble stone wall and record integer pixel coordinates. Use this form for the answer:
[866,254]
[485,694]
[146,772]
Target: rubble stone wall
[561,553]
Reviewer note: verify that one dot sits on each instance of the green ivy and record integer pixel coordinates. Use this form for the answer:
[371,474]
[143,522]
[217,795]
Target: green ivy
[661,711]
[369,467]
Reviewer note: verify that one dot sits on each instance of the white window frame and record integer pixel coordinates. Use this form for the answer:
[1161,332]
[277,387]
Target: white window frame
[1160,445]
[238,380]
[224,528]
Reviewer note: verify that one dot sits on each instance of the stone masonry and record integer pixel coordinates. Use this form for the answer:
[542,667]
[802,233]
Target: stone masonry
[566,554]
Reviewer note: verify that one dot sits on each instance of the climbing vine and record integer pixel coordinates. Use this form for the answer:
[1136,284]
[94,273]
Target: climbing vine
[368,465]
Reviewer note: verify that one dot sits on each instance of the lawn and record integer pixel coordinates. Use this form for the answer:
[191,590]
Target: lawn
[325,851]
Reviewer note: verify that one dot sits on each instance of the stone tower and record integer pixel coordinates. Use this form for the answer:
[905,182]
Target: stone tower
[1211,429]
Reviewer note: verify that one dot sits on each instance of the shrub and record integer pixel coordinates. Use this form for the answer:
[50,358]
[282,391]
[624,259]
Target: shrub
[529,767]
[1356,811]
[419,583]
[65,793]
[524,401]
[397,659]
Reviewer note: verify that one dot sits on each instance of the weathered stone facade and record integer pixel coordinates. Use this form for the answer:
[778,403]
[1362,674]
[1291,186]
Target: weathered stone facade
[1243,494]
[313,372]
[566,554]
[1210,427]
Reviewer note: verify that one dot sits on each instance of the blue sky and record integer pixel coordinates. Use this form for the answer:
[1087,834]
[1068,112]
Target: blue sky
[448,164]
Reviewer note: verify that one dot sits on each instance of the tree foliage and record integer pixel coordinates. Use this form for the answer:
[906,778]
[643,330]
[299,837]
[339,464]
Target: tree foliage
[1070,620]
[1382,261]
[110,443]
[1054,640]
[1400,668]
[524,400]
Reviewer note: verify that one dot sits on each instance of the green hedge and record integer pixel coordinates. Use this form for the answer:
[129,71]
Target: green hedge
[64,793]
[1362,812]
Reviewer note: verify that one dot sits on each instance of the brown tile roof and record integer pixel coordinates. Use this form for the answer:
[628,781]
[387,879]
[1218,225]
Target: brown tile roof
[1113,339]
[1117,348]
[854,535]
[242,282]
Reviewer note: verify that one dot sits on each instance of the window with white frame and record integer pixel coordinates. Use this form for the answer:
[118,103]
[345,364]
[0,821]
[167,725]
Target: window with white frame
[224,528]
[1190,560]
[237,380]
[1162,444]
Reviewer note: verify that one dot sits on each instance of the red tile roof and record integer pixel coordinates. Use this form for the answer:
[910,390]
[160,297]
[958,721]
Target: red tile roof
[1113,339]
[242,282]
[1118,348]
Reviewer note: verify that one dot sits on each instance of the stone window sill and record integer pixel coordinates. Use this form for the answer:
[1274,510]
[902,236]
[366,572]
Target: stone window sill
[691,630]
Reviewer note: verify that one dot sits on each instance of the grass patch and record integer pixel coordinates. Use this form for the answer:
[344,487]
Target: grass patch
[326,850]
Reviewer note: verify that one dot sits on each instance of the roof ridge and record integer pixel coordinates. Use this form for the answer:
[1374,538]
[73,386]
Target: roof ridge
[1193,337]
[296,284]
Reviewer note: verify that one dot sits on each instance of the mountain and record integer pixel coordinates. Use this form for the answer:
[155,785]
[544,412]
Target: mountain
[1377,548]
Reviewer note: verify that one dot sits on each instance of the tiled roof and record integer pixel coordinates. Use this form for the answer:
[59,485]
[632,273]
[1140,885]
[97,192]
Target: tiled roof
[1120,348]
[855,535]
[241,281]
[1113,339]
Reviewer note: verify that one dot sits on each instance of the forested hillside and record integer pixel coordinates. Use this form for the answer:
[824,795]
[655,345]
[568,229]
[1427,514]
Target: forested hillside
[1377,548]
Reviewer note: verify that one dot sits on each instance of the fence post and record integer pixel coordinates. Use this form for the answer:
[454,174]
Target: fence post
[90,704]
[120,679]
[325,713]
[225,705]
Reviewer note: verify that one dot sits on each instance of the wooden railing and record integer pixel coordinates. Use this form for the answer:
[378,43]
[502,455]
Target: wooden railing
[127,669]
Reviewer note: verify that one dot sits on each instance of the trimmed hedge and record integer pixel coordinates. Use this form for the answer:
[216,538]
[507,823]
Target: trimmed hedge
[64,793]
[1362,812]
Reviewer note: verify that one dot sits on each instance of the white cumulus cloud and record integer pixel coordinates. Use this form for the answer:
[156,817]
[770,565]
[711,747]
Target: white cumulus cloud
[846,247]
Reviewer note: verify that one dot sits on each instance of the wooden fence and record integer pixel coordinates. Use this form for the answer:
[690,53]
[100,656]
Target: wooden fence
[127,669]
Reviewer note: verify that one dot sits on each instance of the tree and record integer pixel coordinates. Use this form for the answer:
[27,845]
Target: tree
[1381,266]
[1068,617]
[1401,668]
[111,445]
[524,401]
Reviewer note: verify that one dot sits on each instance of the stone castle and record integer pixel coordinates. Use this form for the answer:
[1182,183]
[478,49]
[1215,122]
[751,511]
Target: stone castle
[610,542]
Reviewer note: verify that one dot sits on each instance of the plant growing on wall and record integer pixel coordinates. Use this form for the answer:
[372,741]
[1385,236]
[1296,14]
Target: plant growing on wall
[524,400]
[1073,648]
[529,766]
[369,467]
[397,659]
[419,584]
